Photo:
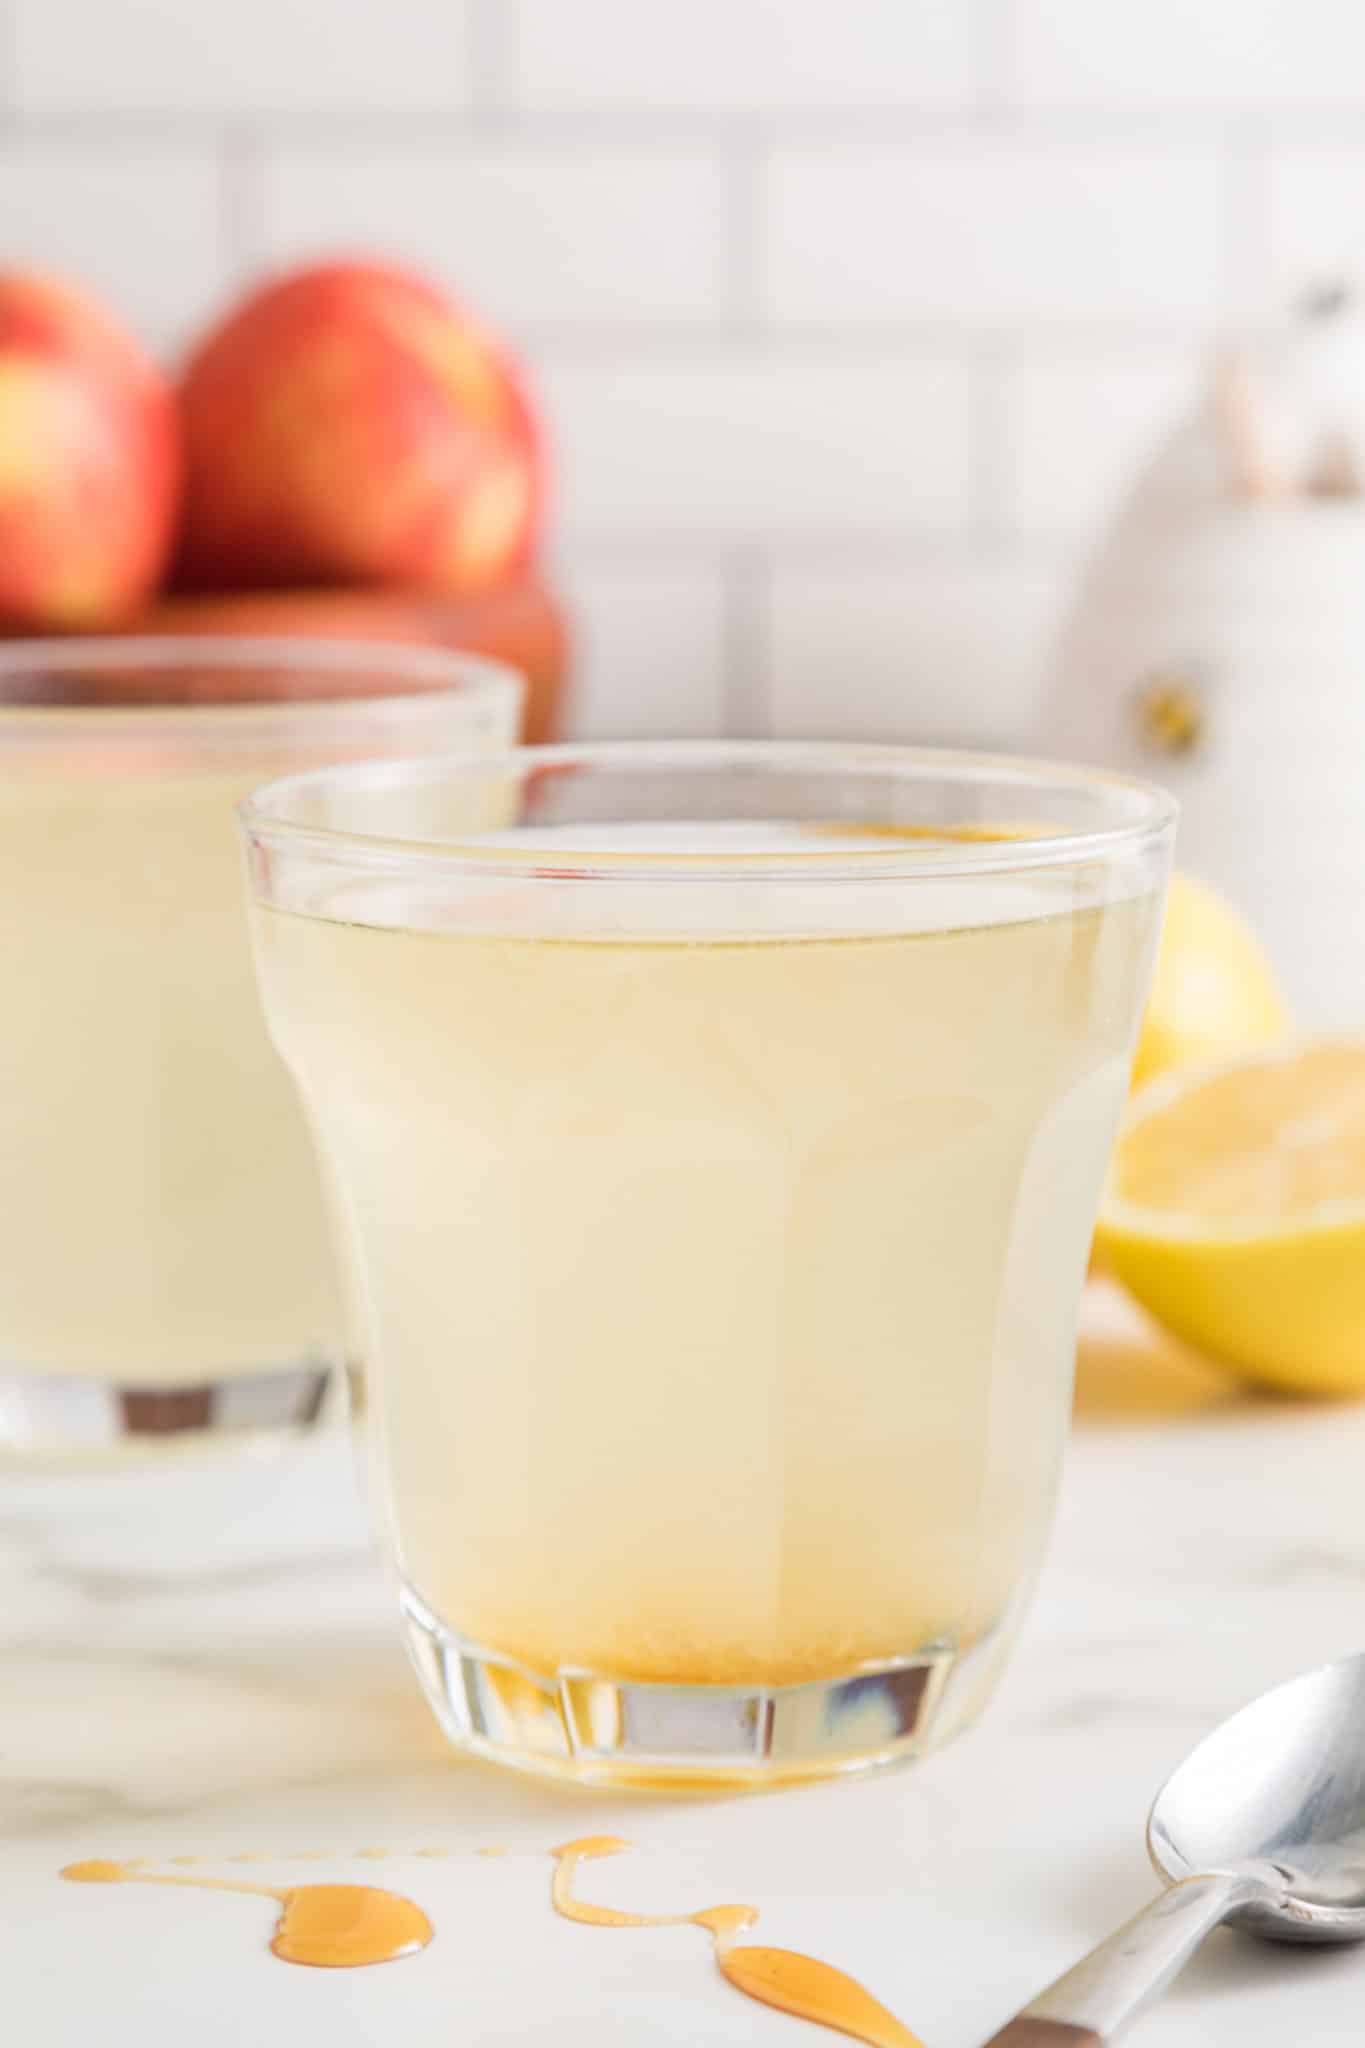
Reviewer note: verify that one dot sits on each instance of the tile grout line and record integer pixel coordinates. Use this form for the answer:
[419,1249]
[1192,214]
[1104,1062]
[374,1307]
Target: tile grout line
[908,128]
[241,174]
[1244,255]
[9,68]
[494,62]
[889,549]
[606,344]
[990,56]
[988,522]
[745,170]
[746,706]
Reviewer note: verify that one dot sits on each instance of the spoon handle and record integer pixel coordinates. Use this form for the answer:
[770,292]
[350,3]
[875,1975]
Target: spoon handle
[1038,2033]
[1089,2005]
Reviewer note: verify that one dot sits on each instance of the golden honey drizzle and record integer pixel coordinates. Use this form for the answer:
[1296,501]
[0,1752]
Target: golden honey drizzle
[797,1984]
[348,1926]
[327,1926]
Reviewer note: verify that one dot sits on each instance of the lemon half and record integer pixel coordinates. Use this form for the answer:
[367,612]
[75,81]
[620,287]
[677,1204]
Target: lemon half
[1235,1212]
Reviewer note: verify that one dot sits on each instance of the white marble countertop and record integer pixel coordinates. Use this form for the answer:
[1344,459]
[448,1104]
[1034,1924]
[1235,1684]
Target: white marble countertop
[1208,1546]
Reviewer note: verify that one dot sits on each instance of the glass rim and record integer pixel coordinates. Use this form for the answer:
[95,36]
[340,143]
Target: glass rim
[434,676]
[264,819]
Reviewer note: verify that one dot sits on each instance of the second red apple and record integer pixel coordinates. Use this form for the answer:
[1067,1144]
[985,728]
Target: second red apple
[88,462]
[350,423]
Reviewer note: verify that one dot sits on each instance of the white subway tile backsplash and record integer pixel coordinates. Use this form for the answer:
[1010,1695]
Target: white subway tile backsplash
[744,55]
[1073,430]
[851,319]
[1315,220]
[142,230]
[256,57]
[792,445]
[650,649]
[949,650]
[988,231]
[1167,53]
[550,236]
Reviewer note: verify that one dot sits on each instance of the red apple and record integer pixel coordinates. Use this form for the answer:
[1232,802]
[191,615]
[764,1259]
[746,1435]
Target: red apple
[89,462]
[352,424]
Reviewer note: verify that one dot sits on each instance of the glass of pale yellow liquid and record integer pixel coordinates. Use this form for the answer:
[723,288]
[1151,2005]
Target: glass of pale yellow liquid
[714,1133]
[166,1278]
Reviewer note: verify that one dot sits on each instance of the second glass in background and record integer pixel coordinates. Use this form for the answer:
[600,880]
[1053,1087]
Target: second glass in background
[165,1270]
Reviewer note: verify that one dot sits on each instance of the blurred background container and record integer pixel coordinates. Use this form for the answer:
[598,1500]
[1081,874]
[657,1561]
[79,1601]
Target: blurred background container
[848,319]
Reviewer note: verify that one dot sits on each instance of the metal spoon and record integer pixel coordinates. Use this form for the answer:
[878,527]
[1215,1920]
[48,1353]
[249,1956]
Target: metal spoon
[1264,1825]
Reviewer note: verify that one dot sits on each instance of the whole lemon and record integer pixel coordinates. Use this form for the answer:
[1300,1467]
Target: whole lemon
[1213,991]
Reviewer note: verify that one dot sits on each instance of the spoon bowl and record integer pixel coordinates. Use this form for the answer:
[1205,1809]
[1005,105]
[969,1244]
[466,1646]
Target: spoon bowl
[1262,1825]
[1277,1793]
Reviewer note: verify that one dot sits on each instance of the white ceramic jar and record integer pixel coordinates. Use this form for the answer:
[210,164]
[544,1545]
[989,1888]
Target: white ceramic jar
[1217,645]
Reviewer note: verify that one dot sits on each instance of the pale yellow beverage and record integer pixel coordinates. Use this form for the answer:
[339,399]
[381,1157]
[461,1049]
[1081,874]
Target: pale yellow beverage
[160,1217]
[166,1269]
[718,1285]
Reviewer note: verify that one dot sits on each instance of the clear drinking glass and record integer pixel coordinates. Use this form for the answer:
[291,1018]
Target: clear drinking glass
[715,1132]
[165,1271]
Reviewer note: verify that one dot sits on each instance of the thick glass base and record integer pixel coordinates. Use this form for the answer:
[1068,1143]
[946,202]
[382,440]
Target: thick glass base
[590,1726]
[51,1419]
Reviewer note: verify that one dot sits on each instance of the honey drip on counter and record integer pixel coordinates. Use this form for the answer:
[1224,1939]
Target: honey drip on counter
[327,1926]
[346,1926]
[797,1984]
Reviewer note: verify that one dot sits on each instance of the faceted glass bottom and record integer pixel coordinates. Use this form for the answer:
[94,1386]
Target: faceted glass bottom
[590,1726]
